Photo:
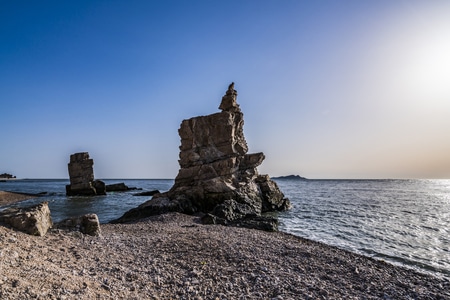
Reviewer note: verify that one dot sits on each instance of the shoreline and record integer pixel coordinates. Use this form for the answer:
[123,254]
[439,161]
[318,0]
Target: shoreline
[7,198]
[173,256]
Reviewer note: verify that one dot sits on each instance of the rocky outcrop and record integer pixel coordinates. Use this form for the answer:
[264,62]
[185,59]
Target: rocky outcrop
[81,173]
[147,193]
[290,177]
[34,220]
[87,224]
[217,176]
[119,187]
[7,176]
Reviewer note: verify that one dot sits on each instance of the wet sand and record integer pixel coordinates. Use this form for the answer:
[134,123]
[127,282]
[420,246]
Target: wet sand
[173,256]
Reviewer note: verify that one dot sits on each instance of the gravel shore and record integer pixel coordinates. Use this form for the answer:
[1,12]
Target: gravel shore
[172,256]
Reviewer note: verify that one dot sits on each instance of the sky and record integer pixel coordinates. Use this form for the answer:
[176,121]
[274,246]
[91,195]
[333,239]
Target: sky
[329,89]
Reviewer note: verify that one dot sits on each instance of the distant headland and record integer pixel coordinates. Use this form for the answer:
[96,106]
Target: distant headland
[5,176]
[291,177]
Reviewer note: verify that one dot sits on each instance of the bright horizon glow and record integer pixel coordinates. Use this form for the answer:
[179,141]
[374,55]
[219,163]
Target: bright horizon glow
[328,90]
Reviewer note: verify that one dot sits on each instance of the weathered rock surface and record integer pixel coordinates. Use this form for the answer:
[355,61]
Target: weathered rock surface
[87,224]
[81,173]
[34,220]
[216,175]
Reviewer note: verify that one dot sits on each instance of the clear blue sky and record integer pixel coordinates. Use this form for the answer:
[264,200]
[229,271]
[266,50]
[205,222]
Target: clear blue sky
[329,89]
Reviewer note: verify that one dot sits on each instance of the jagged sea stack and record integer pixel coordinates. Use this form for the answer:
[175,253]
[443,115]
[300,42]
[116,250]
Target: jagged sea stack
[81,173]
[217,177]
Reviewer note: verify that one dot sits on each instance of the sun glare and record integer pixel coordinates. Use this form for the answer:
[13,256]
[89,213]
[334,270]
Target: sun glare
[414,60]
[427,66]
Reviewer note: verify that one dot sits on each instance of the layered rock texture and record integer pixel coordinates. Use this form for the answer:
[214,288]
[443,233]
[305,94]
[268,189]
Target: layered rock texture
[34,220]
[81,173]
[217,176]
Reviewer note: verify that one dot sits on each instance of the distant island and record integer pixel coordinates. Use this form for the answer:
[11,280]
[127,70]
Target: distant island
[291,177]
[7,176]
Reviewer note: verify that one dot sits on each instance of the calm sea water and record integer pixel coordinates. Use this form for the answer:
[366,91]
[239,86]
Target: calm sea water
[405,222]
[108,207]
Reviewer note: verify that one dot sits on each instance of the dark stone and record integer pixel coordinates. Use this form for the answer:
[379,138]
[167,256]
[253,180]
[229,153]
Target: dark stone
[148,193]
[213,219]
[232,210]
[265,223]
[117,187]
[96,187]
[153,207]
[258,222]
[272,198]
[100,187]
[80,192]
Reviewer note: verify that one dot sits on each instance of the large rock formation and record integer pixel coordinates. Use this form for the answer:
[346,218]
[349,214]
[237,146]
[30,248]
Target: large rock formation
[217,176]
[35,220]
[81,173]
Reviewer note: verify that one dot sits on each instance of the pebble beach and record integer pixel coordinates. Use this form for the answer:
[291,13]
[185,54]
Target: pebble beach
[173,256]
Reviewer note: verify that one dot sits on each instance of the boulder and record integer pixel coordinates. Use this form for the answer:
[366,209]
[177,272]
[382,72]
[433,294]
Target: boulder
[99,186]
[155,206]
[81,175]
[266,223]
[217,176]
[272,197]
[118,187]
[231,210]
[147,193]
[34,220]
[90,225]
[86,224]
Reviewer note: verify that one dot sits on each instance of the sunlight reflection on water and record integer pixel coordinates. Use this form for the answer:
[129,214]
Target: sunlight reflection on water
[402,221]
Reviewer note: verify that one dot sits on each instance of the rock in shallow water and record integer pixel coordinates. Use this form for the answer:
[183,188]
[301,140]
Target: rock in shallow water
[81,173]
[147,193]
[118,187]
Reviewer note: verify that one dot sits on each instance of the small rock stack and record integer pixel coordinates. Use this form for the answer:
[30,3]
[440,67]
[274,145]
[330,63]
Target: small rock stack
[81,173]
[217,177]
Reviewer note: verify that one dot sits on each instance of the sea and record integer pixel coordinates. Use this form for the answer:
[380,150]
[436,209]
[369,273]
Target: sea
[404,222]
